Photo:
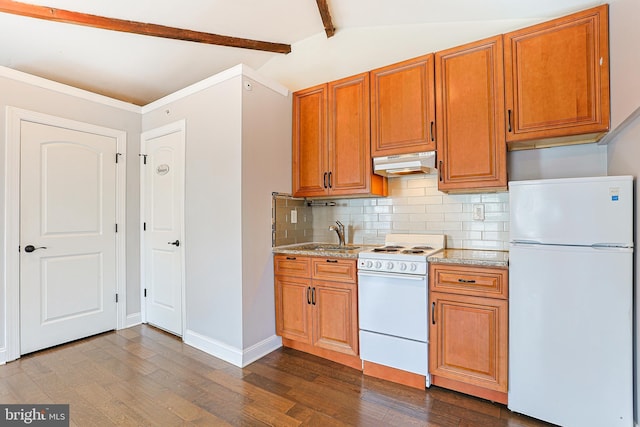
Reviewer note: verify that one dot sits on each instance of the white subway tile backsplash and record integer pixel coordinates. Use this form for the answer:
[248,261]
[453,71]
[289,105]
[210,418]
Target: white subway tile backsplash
[409,209]
[447,208]
[427,217]
[377,209]
[416,206]
[426,200]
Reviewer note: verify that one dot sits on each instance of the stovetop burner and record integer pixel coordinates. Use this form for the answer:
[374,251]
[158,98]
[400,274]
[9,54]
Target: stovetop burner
[388,249]
[401,254]
[413,251]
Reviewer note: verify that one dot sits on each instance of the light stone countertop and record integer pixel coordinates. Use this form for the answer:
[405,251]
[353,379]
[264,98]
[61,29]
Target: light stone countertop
[328,250]
[482,258]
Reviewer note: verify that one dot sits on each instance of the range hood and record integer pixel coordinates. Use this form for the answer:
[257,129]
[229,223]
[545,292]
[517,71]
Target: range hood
[405,164]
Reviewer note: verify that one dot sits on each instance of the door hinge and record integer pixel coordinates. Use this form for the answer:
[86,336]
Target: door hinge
[144,158]
[145,292]
[144,226]
[116,298]
[116,228]
[117,156]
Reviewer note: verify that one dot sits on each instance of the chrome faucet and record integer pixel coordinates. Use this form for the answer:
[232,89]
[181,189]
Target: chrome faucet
[339,228]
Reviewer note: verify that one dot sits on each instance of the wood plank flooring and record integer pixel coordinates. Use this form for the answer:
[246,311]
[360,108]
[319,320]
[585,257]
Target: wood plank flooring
[144,377]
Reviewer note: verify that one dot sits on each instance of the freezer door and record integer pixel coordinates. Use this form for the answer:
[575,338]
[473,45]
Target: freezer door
[576,211]
[570,335]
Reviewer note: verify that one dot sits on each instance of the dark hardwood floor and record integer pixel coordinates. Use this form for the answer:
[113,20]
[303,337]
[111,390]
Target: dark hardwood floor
[144,377]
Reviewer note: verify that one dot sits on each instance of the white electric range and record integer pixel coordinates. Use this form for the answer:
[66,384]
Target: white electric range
[393,302]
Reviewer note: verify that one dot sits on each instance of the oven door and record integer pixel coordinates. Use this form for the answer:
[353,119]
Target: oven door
[393,304]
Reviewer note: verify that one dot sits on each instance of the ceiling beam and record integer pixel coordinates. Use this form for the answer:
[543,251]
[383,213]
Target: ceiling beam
[113,24]
[323,7]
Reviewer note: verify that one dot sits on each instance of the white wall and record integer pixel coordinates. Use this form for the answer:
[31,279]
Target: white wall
[266,167]
[624,150]
[30,93]
[213,250]
[238,151]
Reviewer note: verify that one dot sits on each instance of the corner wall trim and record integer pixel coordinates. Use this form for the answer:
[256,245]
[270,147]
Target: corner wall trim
[214,347]
[132,320]
[233,355]
[261,349]
[41,82]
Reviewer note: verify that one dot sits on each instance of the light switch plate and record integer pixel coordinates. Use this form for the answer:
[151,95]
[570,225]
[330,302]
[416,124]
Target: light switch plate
[478,212]
[294,216]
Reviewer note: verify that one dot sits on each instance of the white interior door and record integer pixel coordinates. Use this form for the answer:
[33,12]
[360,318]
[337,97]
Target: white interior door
[67,235]
[163,249]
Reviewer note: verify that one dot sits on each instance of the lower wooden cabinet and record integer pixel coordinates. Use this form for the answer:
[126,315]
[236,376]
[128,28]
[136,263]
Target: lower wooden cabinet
[318,313]
[468,333]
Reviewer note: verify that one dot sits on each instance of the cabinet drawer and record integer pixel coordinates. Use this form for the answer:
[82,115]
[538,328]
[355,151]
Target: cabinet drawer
[334,269]
[469,280]
[292,265]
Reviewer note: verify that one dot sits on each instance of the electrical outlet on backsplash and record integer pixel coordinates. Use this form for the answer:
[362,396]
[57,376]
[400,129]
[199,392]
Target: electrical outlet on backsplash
[415,205]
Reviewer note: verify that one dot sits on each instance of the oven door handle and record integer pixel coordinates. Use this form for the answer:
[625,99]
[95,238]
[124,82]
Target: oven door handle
[392,275]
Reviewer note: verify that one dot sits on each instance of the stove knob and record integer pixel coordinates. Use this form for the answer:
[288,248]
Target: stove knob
[413,267]
[378,264]
[403,266]
[369,264]
[389,266]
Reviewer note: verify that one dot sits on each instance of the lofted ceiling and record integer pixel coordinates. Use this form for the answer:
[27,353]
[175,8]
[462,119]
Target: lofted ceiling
[141,69]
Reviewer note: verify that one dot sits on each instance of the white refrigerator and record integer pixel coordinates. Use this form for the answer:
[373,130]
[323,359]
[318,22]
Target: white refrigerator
[571,300]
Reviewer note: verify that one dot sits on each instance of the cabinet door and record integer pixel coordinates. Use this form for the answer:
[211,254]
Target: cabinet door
[557,77]
[293,308]
[403,107]
[335,307]
[468,340]
[310,155]
[470,117]
[349,141]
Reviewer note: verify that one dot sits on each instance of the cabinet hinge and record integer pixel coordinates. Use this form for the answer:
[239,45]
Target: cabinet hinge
[116,228]
[144,158]
[144,226]
[116,298]
[145,292]
[117,156]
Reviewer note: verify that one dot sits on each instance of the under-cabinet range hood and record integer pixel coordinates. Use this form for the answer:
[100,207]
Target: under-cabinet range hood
[405,164]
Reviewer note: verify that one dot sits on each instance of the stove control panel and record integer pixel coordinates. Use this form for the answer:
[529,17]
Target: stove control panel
[394,266]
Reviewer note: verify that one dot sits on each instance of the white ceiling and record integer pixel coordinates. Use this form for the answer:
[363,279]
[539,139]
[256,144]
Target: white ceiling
[141,69]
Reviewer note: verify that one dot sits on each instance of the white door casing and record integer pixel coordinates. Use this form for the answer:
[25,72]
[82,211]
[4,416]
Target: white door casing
[68,212]
[162,210]
[59,263]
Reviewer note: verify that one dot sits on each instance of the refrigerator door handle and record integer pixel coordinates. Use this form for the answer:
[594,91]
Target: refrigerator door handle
[526,242]
[612,246]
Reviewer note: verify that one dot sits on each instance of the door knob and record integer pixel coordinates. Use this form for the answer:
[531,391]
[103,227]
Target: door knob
[31,248]
[176,243]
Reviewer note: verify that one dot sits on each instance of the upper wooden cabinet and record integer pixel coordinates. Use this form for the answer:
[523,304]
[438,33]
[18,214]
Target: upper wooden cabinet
[403,107]
[331,140]
[310,148]
[557,80]
[470,117]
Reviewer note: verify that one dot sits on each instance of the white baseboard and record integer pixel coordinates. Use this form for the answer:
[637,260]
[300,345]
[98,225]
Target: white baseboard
[133,320]
[3,356]
[261,349]
[230,354]
[214,347]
